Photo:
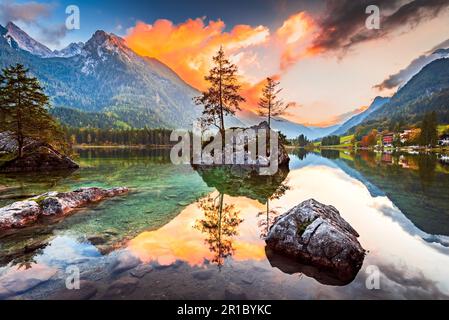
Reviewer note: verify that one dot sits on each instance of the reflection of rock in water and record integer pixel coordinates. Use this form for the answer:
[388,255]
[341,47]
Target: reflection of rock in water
[21,248]
[238,181]
[291,266]
[315,234]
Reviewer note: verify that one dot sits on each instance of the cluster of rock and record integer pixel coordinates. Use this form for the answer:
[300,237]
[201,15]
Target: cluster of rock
[37,156]
[24,213]
[248,159]
[316,234]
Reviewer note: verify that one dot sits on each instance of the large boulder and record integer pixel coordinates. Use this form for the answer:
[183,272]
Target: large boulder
[37,156]
[24,213]
[315,234]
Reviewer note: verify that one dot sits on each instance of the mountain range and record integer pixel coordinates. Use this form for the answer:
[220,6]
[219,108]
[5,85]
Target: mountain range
[377,104]
[106,77]
[104,84]
[426,91]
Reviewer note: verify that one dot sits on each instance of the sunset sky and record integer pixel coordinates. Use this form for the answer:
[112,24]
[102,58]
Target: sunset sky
[327,60]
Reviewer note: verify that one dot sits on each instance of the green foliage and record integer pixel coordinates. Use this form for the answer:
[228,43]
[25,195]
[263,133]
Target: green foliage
[24,109]
[330,141]
[270,105]
[303,141]
[429,130]
[79,119]
[126,137]
[283,139]
[222,97]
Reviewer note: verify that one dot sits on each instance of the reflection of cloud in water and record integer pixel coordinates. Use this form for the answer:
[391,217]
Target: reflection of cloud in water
[397,216]
[410,266]
[181,240]
[406,283]
[388,243]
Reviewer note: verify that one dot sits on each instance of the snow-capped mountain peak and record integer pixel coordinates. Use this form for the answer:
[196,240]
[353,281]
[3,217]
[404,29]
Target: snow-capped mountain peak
[71,50]
[25,42]
[103,43]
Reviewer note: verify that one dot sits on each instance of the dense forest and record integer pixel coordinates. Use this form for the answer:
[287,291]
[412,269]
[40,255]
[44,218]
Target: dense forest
[331,141]
[119,137]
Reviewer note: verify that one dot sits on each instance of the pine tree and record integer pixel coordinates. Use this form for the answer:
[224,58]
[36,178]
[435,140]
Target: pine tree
[222,97]
[24,108]
[429,130]
[270,105]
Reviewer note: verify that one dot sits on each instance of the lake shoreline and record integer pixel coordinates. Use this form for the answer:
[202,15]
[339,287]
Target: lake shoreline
[443,150]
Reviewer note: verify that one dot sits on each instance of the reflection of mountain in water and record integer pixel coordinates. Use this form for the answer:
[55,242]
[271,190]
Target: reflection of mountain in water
[414,183]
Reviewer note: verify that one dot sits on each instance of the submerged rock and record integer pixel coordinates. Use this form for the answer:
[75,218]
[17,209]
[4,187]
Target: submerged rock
[121,288]
[86,291]
[20,281]
[37,156]
[315,234]
[141,270]
[25,213]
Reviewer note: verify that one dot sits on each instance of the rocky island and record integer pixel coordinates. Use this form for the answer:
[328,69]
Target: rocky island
[37,156]
[52,204]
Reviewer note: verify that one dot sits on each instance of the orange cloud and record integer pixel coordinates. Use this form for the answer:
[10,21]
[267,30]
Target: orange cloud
[294,36]
[252,93]
[188,47]
[333,120]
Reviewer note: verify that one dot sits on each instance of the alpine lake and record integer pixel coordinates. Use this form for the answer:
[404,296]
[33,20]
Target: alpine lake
[166,239]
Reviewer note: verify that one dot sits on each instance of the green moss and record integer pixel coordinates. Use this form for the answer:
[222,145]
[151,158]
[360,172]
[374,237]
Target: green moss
[39,200]
[302,227]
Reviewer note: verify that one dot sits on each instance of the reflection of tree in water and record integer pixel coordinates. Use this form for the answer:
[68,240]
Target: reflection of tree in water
[330,154]
[427,164]
[220,225]
[271,213]
[300,153]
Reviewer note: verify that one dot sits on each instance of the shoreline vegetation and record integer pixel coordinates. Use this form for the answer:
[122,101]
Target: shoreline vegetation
[133,146]
[352,148]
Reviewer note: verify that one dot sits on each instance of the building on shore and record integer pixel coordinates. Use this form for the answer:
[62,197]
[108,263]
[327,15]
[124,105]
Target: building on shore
[387,139]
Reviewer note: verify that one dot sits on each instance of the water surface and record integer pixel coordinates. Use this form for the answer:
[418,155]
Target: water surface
[202,233]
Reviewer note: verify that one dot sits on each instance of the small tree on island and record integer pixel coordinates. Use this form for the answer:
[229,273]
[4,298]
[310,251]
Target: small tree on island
[270,105]
[23,106]
[222,97]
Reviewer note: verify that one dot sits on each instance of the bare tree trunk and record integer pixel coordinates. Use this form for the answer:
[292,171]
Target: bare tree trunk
[219,229]
[19,134]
